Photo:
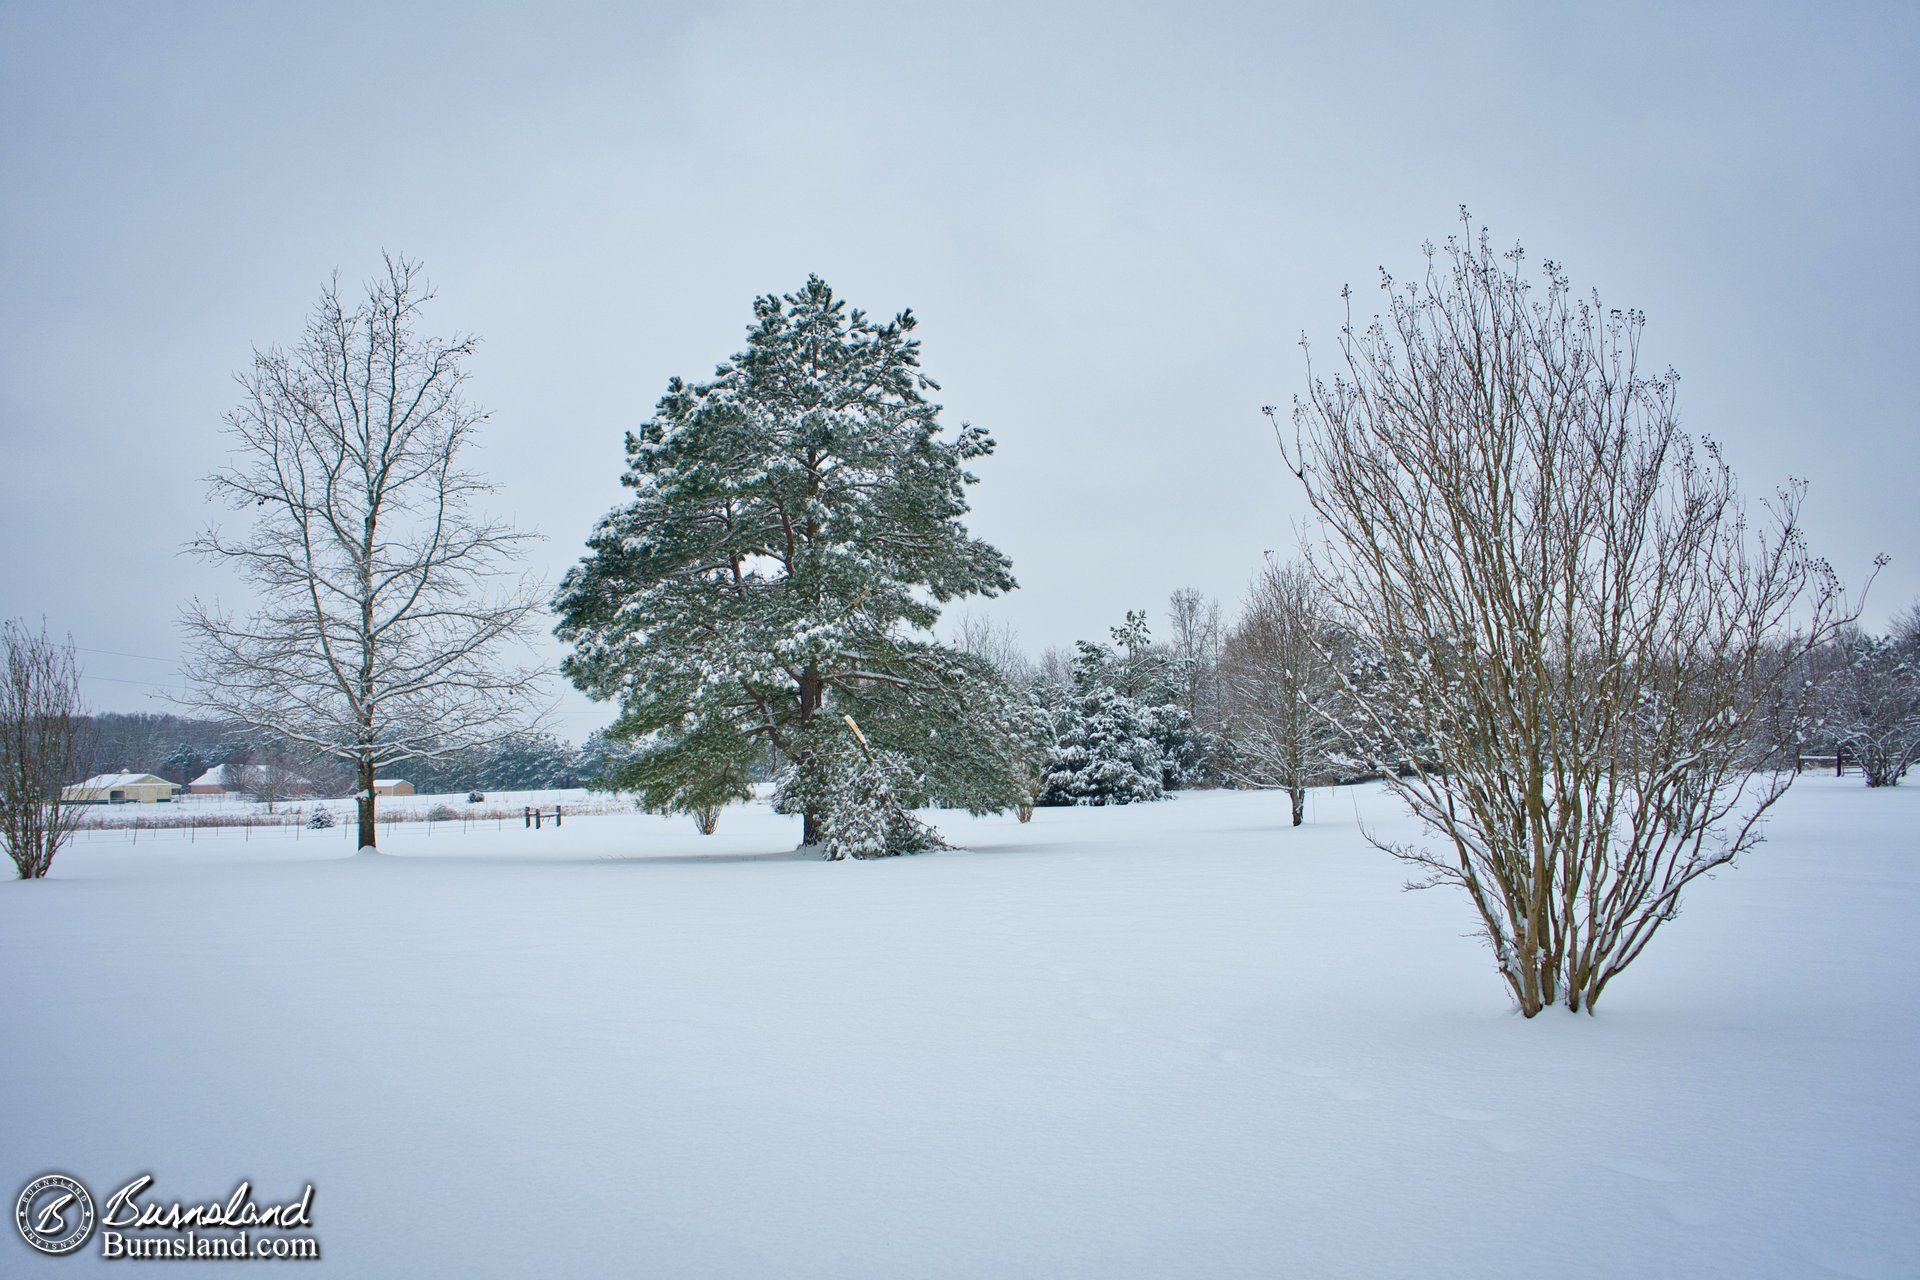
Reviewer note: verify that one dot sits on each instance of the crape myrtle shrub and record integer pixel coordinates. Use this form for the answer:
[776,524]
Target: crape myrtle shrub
[1578,623]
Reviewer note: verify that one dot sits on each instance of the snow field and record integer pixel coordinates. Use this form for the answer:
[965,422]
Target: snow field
[1167,1040]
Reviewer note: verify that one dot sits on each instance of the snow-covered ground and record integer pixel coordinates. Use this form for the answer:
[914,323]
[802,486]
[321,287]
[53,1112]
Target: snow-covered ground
[1172,1040]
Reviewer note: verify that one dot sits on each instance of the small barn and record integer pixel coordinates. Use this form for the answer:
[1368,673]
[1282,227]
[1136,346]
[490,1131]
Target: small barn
[121,788]
[392,787]
[211,783]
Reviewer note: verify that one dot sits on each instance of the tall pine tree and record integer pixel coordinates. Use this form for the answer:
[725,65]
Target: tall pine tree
[795,527]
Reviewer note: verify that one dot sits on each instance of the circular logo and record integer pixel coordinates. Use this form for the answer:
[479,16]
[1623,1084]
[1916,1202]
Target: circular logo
[54,1214]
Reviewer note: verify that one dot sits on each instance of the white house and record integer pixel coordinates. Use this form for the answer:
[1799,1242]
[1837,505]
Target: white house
[244,779]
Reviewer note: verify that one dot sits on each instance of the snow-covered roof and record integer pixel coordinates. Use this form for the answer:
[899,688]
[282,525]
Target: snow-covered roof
[214,777]
[391,782]
[123,780]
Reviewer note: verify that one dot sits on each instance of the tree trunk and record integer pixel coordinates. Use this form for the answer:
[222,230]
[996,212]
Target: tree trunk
[365,802]
[1299,797]
[812,695]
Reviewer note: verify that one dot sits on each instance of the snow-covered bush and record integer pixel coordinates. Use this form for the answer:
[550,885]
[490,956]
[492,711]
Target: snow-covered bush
[43,745]
[862,797]
[322,820]
[1869,705]
[1154,679]
[1104,749]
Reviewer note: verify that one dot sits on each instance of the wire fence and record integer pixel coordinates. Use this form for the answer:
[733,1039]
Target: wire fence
[299,821]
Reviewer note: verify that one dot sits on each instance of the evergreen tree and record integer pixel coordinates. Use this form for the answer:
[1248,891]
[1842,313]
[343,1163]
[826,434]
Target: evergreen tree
[1155,681]
[796,524]
[528,762]
[185,763]
[1105,752]
[601,757]
[1183,749]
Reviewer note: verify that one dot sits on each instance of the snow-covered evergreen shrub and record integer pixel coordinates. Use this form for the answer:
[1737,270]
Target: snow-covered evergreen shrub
[1147,673]
[322,820]
[858,806]
[862,798]
[1183,751]
[1104,751]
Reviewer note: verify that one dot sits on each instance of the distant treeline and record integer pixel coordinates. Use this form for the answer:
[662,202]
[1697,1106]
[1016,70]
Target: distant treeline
[181,749]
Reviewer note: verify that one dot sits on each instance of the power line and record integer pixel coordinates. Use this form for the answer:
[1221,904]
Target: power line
[115,653]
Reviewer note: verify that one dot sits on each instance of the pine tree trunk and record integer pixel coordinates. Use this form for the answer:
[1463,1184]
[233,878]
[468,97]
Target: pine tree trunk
[812,695]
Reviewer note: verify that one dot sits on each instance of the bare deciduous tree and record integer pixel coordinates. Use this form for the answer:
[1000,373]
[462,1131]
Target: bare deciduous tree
[1282,691]
[1867,703]
[997,643]
[1566,594]
[44,746]
[268,775]
[1194,638]
[389,611]
[1906,630]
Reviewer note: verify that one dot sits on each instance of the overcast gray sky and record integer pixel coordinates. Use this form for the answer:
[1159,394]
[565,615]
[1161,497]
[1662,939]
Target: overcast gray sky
[1113,220]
